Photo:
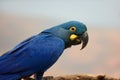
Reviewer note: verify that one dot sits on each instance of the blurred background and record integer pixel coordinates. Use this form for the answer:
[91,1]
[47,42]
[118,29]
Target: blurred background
[20,19]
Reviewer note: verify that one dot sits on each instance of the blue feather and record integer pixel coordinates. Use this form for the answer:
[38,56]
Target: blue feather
[33,55]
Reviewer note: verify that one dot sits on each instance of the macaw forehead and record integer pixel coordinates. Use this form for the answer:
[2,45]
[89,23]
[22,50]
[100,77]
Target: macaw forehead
[79,26]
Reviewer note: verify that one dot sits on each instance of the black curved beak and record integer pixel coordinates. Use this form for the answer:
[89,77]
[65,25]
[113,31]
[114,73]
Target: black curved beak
[84,40]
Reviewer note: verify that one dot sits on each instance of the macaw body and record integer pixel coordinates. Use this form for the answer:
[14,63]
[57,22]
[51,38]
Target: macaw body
[35,55]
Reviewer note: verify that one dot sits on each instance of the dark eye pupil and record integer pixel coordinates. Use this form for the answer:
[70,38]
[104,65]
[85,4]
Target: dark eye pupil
[73,29]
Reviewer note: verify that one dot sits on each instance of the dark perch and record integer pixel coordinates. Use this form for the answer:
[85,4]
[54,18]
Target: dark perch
[78,77]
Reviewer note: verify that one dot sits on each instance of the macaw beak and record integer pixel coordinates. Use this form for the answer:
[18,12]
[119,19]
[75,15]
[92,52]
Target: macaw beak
[79,39]
[84,40]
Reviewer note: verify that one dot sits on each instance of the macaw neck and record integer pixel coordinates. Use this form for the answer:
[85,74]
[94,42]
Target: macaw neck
[60,33]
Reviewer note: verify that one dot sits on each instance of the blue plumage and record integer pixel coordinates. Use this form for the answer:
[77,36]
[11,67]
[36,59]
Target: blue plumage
[38,53]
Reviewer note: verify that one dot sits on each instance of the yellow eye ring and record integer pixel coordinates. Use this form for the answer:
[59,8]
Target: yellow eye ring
[72,29]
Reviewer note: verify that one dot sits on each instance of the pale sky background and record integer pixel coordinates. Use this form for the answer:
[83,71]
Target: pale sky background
[99,12]
[20,19]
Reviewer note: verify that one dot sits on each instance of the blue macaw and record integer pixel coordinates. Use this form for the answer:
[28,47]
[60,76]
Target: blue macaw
[37,53]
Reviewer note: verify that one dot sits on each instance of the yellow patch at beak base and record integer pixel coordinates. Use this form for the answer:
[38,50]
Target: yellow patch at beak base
[73,37]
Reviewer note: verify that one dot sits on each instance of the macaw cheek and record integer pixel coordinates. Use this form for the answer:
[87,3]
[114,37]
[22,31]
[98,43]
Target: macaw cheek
[75,39]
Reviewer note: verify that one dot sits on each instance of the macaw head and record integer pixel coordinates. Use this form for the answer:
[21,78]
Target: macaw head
[72,32]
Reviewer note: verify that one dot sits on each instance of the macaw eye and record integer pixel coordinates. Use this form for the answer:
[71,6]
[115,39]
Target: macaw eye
[73,29]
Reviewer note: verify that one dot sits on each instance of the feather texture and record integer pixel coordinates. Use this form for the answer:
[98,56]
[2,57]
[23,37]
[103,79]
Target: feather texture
[33,55]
